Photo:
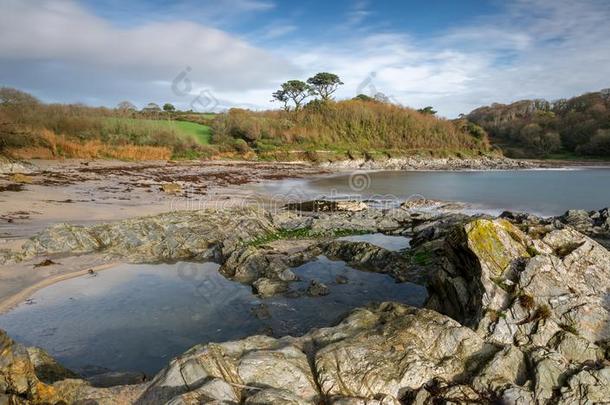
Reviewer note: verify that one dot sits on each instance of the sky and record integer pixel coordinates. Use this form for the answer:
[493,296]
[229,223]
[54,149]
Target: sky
[212,55]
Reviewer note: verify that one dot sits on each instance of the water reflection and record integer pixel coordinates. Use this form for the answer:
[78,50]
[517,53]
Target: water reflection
[137,317]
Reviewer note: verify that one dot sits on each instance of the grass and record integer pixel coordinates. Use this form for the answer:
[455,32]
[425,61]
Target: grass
[197,132]
[345,127]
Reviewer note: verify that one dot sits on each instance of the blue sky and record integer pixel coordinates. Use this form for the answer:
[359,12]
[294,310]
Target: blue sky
[454,55]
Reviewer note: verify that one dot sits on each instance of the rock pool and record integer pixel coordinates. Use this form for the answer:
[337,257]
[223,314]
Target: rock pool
[138,317]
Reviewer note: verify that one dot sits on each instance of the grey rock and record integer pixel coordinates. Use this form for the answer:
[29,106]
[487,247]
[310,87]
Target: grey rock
[47,369]
[317,288]
[422,345]
[265,287]
[276,396]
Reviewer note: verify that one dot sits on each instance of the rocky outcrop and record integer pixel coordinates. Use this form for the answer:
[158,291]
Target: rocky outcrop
[196,235]
[427,163]
[327,205]
[595,224]
[23,370]
[518,313]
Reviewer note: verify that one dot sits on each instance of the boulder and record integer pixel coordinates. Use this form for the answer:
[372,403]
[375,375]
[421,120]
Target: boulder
[285,368]
[46,368]
[408,348]
[317,288]
[265,287]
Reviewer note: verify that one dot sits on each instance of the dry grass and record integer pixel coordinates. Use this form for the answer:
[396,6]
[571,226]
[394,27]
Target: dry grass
[56,146]
[526,301]
[137,152]
[351,124]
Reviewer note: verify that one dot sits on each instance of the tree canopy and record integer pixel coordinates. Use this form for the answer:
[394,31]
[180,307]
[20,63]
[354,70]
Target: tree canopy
[126,106]
[167,107]
[293,90]
[530,128]
[324,84]
[13,97]
[428,110]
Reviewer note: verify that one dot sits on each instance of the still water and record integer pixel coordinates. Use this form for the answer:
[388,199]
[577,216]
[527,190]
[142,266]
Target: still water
[138,317]
[545,192]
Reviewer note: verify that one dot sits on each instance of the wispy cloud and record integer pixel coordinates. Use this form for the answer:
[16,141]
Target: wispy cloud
[358,12]
[530,48]
[535,48]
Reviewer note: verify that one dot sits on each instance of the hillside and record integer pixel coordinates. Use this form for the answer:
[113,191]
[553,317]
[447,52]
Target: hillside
[566,128]
[346,128]
[326,130]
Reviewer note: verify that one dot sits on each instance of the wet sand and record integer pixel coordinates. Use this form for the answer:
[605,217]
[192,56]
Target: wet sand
[87,192]
[81,192]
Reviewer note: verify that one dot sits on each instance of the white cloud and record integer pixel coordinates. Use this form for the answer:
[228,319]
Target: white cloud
[61,37]
[533,48]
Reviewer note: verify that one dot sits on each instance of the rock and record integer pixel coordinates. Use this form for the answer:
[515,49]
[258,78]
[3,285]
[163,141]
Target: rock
[215,391]
[8,166]
[550,370]
[341,279]
[589,386]
[285,368]
[439,391]
[273,261]
[114,378]
[180,235]
[327,205]
[316,289]
[171,188]
[406,350]
[428,163]
[576,349]
[261,311]
[265,288]
[17,374]
[21,178]
[369,257]
[506,368]
[386,400]
[485,252]
[276,396]
[46,368]
[516,395]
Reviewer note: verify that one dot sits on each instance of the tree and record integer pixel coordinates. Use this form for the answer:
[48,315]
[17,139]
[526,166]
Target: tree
[382,98]
[126,106]
[293,90]
[151,108]
[364,97]
[167,107]
[281,96]
[427,110]
[324,84]
[14,97]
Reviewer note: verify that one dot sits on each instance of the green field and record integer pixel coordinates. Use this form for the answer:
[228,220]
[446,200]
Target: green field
[200,133]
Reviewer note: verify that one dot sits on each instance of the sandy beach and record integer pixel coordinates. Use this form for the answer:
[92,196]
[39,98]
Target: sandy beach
[88,192]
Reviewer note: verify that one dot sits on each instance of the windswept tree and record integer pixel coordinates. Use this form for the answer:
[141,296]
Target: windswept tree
[17,98]
[151,108]
[428,110]
[293,90]
[167,107]
[324,84]
[126,106]
[282,97]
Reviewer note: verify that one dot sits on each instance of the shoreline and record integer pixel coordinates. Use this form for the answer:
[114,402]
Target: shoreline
[11,302]
[222,196]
